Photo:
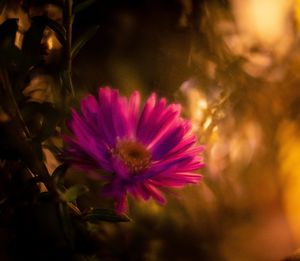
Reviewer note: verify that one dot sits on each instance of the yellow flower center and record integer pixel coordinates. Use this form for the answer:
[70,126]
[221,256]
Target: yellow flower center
[133,154]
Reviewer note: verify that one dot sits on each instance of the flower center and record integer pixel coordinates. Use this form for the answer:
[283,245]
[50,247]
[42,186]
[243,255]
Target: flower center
[134,155]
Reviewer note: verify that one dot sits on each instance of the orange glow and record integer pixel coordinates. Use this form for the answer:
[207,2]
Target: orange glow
[265,19]
[289,153]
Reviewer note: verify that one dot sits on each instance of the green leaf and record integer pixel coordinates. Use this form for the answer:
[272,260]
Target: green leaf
[83,40]
[66,81]
[109,215]
[31,46]
[82,5]
[66,224]
[72,193]
[45,196]
[87,258]
[8,31]
[55,26]
[4,204]
[38,150]
[2,5]
[53,148]
[8,143]
[41,118]
[35,180]
[10,55]
[59,173]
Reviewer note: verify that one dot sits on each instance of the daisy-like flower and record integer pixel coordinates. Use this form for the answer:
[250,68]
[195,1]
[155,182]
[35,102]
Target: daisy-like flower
[145,148]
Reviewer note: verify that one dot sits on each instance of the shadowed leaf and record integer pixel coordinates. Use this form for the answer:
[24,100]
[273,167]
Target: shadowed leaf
[59,173]
[10,56]
[99,214]
[83,5]
[83,40]
[55,26]
[45,196]
[66,82]
[31,46]
[66,223]
[8,31]
[2,5]
[41,118]
[72,193]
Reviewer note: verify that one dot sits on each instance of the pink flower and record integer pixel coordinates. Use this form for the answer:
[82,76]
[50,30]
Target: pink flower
[144,148]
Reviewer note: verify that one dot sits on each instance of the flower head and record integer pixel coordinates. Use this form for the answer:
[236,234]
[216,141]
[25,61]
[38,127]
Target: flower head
[144,148]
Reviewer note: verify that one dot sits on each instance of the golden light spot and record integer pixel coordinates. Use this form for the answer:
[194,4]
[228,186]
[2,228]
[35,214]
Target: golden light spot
[207,122]
[267,19]
[202,103]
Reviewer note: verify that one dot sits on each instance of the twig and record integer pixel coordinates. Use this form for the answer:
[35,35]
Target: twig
[68,26]
[13,106]
[18,128]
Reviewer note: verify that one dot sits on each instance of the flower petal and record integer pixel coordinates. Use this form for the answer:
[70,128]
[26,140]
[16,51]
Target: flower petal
[155,192]
[159,124]
[176,180]
[120,169]
[167,142]
[148,107]
[120,119]
[133,112]
[121,204]
[104,119]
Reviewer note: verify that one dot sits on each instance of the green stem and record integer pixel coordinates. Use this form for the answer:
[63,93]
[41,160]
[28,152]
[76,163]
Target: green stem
[13,106]
[68,26]
[22,136]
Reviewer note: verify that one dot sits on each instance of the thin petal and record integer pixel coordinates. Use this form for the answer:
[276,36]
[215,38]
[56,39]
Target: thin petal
[117,190]
[121,204]
[87,153]
[89,107]
[105,120]
[155,192]
[120,169]
[148,107]
[139,191]
[183,146]
[169,140]
[145,130]
[172,163]
[120,119]
[176,180]
[133,112]
[159,124]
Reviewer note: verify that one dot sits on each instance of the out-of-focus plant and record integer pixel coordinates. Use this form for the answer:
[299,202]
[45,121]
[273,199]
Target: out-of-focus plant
[39,211]
[241,97]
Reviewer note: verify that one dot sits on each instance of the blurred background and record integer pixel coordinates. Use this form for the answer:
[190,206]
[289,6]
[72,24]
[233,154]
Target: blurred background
[234,66]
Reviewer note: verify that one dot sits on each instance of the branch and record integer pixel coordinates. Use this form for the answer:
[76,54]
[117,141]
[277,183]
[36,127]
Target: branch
[68,26]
